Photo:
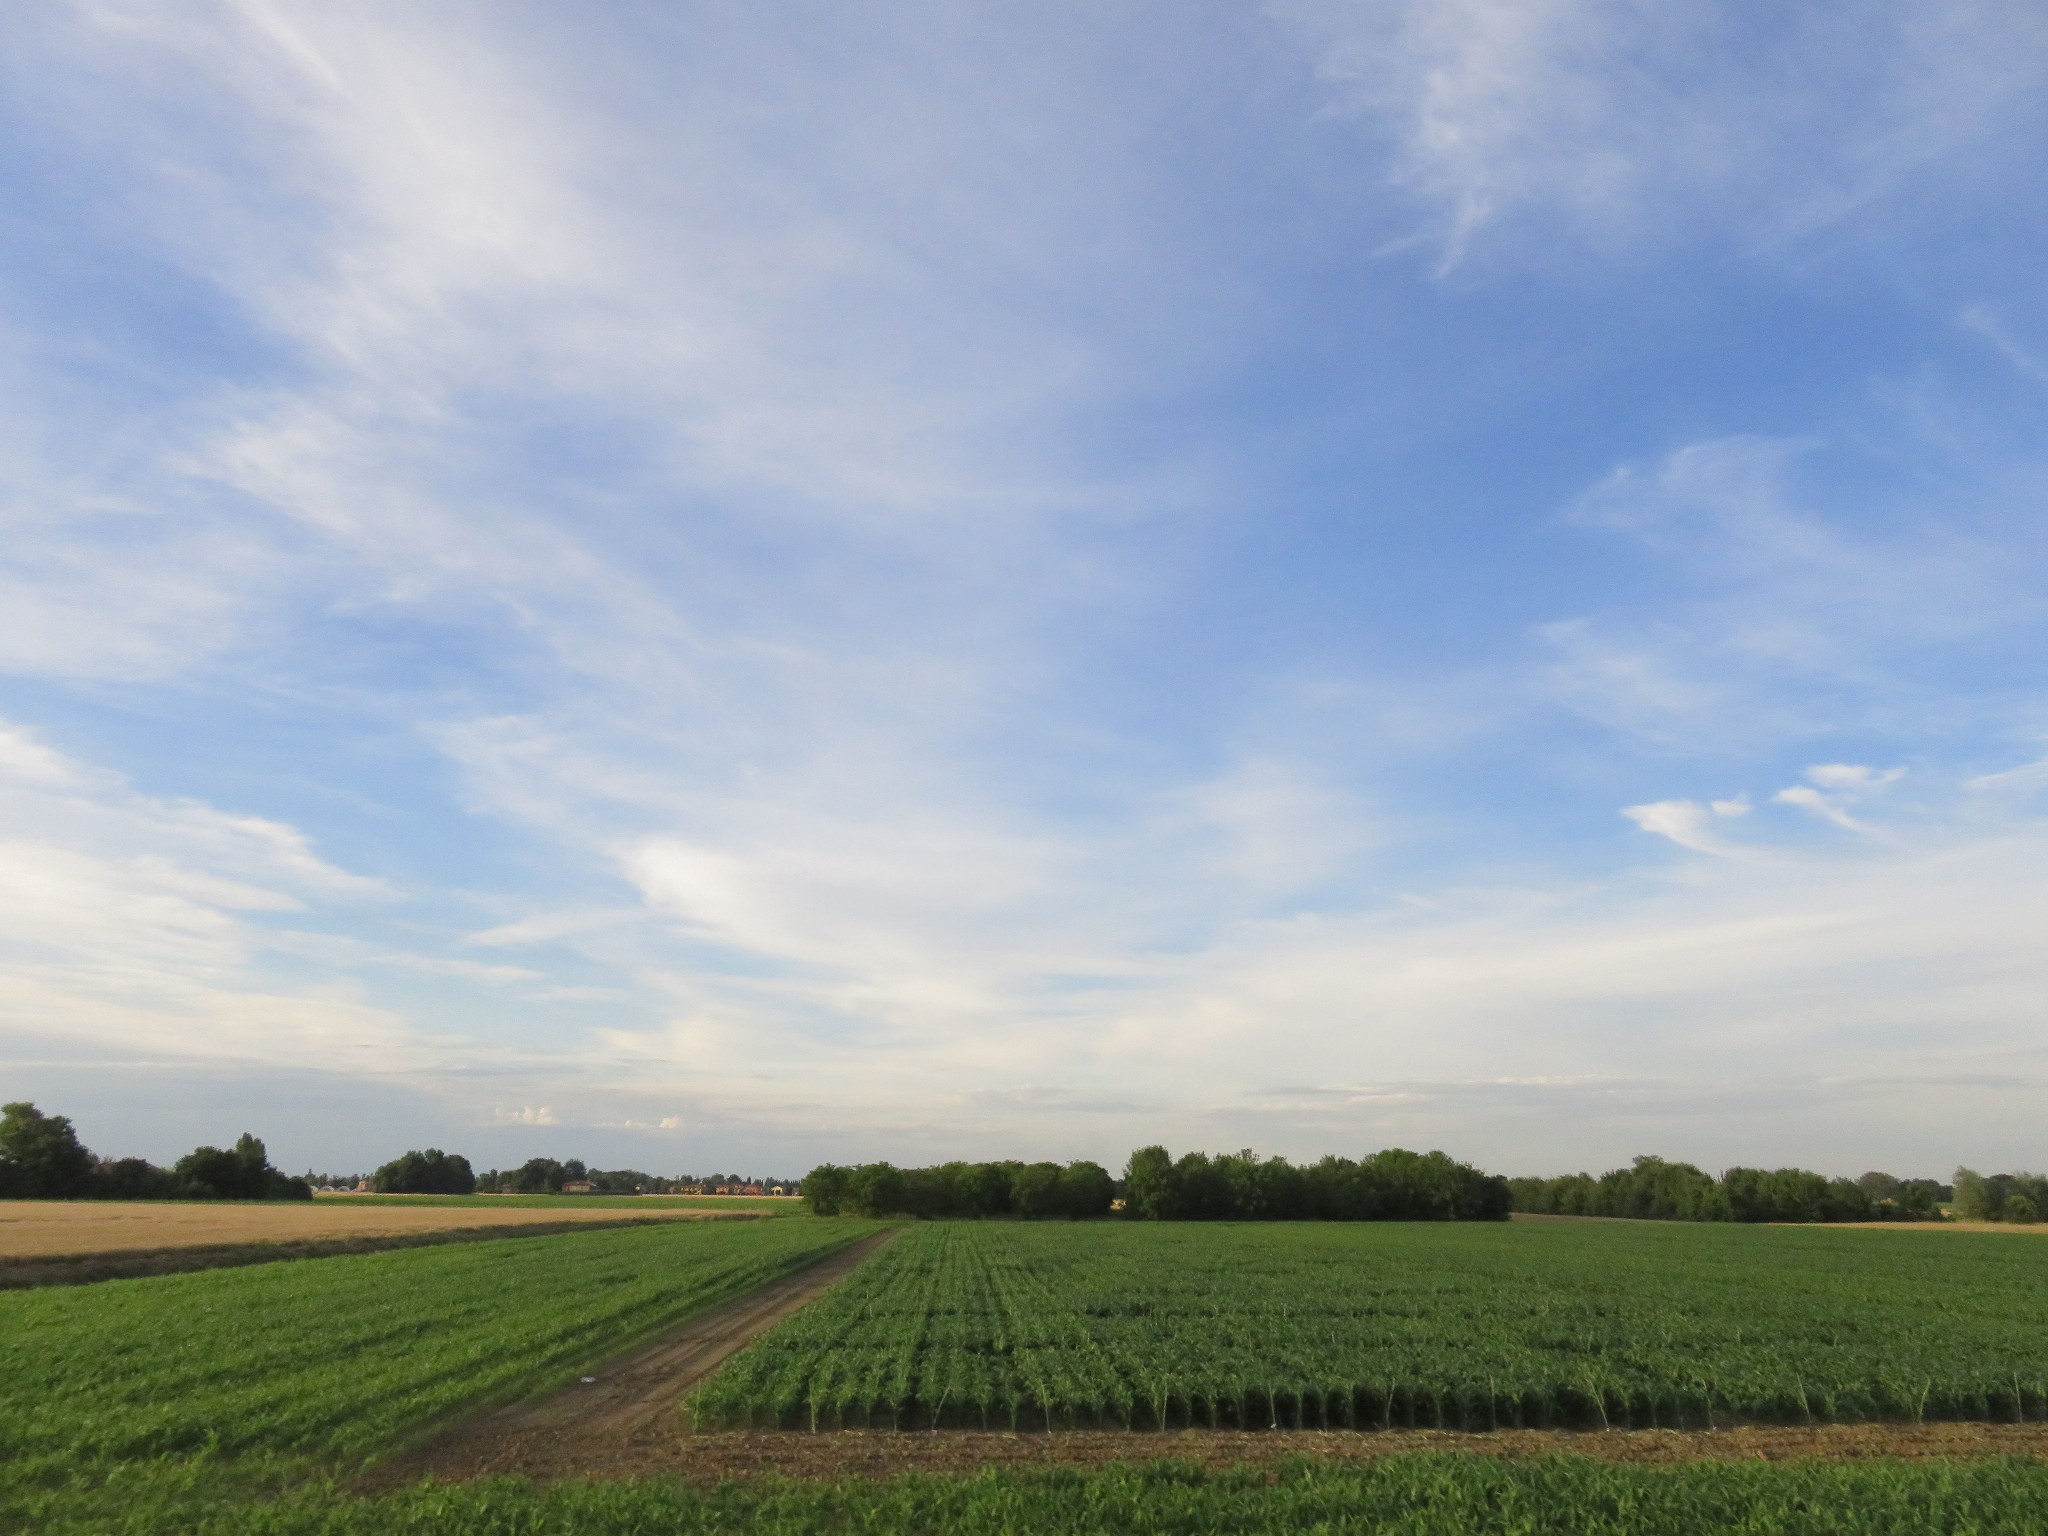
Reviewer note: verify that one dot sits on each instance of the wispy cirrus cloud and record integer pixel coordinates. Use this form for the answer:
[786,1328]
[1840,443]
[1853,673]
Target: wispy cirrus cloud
[1627,123]
[788,535]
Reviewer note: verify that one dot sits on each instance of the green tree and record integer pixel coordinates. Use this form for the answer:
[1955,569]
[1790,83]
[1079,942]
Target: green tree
[875,1189]
[1086,1190]
[1973,1197]
[1148,1185]
[825,1190]
[40,1155]
[432,1172]
[539,1176]
[242,1172]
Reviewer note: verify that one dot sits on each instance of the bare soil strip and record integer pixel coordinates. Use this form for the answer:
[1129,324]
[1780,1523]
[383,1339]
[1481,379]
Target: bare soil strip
[629,1401]
[131,1264]
[659,1446]
[79,1228]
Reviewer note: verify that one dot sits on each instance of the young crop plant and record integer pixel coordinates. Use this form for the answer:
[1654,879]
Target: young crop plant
[247,1376]
[1361,1327]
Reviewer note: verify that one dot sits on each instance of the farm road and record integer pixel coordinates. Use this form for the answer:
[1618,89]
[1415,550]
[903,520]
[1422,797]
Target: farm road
[626,1402]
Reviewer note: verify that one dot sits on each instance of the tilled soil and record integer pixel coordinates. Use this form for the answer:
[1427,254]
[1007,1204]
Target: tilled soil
[78,1229]
[657,1445]
[21,1273]
[630,1400]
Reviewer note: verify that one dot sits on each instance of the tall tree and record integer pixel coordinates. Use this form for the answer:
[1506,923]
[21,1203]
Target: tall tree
[40,1155]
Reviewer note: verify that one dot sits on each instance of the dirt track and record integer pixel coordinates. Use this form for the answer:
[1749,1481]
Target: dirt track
[628,1401]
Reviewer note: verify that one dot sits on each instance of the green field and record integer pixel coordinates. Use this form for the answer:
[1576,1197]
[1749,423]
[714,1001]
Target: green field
[1424,1495]
[245,1376]
[239,1402]
[1432,1325]
[769,1205]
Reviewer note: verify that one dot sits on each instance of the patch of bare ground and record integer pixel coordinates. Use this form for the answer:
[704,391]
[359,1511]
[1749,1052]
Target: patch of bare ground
[75,1242]
[76,1228]
[1941,1226]
[630,1400]
[662,1447]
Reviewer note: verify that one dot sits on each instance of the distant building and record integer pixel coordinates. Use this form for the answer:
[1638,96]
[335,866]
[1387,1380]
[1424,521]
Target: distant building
[579,1187]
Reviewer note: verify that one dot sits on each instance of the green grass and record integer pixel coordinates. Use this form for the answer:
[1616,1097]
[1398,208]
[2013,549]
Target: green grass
[1423,1495]
[1462,1326]
[773,1205]
[263,1373]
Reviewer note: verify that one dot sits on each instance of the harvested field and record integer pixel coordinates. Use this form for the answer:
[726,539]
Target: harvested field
[43,1229]
[2036,1228]
[665,1448]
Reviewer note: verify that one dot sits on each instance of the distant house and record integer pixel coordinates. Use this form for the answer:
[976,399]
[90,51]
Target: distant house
[751,1189]
[579,1187]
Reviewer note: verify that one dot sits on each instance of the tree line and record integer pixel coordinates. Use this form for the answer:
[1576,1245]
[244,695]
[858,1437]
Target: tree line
[1394,1185]
[434,1172]
[1656,1190]
[41,1158]
[2021,1198]
[1036,1191]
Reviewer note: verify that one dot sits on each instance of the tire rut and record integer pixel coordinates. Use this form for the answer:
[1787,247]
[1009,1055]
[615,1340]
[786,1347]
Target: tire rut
[624,1399]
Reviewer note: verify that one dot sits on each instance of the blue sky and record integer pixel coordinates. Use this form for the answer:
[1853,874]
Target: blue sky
[719,585]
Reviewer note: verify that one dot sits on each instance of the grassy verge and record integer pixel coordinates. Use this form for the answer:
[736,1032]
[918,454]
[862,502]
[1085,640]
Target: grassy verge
[1424,1495]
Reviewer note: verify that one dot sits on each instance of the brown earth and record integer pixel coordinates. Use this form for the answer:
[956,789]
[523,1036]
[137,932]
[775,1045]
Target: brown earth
[72,1242]
[1941,1226]
[70,1228]
[625,1401]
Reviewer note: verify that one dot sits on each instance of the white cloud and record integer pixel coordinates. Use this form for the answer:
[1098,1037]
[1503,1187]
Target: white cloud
[769,694]
[526,1114]
[1624,122]
[2025,777]
[1853,778]
[1686,822]
[145,924]
[1831,787]
[1779,618]
[1808,798]
[1984,321]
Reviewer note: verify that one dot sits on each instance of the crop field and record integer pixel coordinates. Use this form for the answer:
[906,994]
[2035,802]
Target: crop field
[1021,1325]
[45,1228]
[766,1205]
[254,1371]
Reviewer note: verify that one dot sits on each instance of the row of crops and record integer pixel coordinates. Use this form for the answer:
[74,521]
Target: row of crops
[1318,1326]
[337,1356]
